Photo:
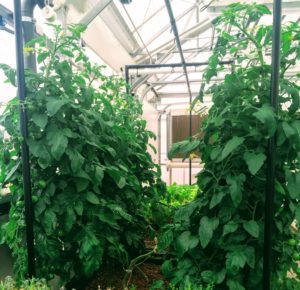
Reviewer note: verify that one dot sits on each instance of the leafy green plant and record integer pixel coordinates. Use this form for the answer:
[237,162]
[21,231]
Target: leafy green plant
[33,284]
[177,195]
[162,210]
[92,174]
[219,235]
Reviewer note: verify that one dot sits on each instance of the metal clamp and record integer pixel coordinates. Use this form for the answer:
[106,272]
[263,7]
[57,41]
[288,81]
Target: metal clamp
[28,19]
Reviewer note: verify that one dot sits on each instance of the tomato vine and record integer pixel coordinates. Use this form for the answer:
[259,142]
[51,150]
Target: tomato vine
[91,171]
[218,237]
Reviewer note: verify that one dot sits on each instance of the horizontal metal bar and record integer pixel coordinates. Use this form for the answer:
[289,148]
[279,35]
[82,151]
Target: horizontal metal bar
[159,65]
[4,28]
[7,15]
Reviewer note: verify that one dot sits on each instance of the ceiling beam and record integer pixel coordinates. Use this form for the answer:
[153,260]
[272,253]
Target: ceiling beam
[114,20]
[94,12]
[185,36]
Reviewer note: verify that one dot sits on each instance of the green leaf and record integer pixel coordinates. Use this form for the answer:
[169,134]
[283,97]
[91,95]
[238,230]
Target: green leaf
[215,153]
[252,228]
[70,219]
[234,285]
[92,198]
[10,73]
[58,145]
[49,221]
[250,254]
[186,241]
[235,260]
[40,120]
[207,276]
[54,105]
[158,284]
[220,276]
[231,145]
[57,141]
[122,182]
[167,269]
[42,56]
[66,52]
[117,210]
[230,227]
[206,229]
[165,239]
[216,199]
[177,148]
[79,207]
[111,151]
[184,212]
[254,161]
[12,172]
[76,159]
[99,174]
[116,175]
[293,183]
[81,184]
[266,115]
[108,218]
[236,188]
[288,130]
[82,174]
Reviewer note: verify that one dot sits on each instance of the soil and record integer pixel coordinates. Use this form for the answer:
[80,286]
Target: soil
[141,279]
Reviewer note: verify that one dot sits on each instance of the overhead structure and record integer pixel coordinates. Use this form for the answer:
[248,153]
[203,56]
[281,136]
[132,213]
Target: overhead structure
[139,32]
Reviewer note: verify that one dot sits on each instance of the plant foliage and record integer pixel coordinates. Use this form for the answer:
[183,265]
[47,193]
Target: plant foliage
[162,211]
[219,235]
[92,176]
[33,284]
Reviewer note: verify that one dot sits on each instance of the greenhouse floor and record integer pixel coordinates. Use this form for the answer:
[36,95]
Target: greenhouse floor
[142,278]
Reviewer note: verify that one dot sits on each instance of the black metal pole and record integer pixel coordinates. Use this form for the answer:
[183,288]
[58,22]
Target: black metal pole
[271,159]
[29,214]
[127,78]
[28,24]
[183,63]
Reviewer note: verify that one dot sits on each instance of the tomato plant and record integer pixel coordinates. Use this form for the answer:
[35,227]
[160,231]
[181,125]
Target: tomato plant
[92,176]
[219,235]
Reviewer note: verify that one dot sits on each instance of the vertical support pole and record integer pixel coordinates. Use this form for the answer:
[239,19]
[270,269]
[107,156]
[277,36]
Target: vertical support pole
[190,136]
[127,78]
[271,159]
[29,214]
[177,39]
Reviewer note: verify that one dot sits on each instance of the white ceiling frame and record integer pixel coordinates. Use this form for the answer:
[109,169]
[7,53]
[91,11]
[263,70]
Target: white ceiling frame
[185,36]
[168,26]
[114,20]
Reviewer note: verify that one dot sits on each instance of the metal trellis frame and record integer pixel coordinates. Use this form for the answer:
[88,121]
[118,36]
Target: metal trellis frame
[29,214]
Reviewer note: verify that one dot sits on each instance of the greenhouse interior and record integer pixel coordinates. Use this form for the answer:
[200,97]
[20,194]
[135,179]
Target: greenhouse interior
[150,144]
